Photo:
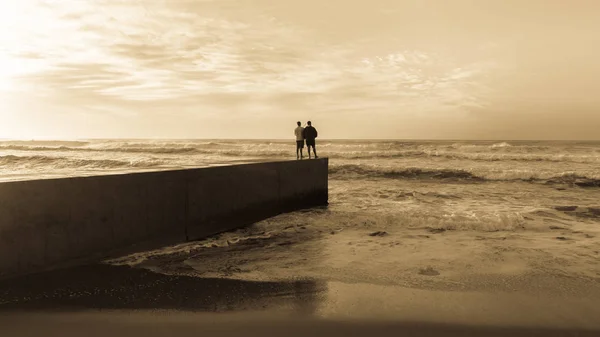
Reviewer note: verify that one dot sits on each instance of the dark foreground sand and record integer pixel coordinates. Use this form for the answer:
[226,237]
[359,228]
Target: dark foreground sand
[183,325]
[104,300]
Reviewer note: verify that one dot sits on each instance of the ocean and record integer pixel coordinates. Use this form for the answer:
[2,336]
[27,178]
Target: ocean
[421,213]
[557,162]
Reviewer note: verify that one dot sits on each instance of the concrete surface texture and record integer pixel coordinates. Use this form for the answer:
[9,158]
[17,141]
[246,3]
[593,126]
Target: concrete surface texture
[46,223]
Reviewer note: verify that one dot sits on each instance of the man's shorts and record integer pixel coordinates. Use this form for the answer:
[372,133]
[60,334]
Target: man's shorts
[310,142]
[299,144]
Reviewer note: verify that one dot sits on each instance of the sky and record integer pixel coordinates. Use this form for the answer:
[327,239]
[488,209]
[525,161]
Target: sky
[395,69]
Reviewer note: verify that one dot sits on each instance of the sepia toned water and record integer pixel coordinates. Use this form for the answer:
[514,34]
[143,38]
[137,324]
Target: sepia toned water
[441,214]
[484,160]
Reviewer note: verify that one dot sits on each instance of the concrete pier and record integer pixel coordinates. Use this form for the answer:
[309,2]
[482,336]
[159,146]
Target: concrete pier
[53,222]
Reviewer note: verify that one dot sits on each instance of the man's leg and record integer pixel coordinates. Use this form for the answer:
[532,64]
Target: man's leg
[308,148]
[315,151]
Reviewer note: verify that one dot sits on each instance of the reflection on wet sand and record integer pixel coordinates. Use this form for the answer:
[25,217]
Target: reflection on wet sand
[121,287]
[144,324]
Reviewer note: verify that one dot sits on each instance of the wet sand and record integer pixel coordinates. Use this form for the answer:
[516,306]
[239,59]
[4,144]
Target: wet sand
[120,324]
[103,300]
[112,300]
[104,287]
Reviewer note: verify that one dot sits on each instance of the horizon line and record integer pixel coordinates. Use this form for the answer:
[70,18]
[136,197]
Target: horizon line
[288,139]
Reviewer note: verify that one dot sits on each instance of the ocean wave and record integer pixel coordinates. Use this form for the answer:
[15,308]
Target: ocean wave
[410,172]
[46,162]
[44,143]
[282,150]
[351,171]
[502,151]
[499,145]
[14,147]
[574,179]
[484,157]
[538,157]
[156,150]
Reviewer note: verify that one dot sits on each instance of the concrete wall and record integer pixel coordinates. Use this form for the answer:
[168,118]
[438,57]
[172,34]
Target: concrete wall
[46,223]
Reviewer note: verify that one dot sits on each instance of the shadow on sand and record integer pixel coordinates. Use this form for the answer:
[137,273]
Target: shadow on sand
[153,325]
[121,287]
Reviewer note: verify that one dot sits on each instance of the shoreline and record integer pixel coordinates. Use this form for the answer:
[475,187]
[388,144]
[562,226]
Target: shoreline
[136,296]
[305,280]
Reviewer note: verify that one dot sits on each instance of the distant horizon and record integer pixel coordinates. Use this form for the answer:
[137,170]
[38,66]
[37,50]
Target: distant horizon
[291,139]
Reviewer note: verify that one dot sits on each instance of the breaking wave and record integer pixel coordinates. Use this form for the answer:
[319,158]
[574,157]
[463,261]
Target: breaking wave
[16,162]
[157,150]
[486,157]
[351,171]
[503,144]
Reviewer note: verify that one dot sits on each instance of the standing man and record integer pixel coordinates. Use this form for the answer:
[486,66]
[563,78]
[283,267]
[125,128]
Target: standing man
[310,133]
[299,132]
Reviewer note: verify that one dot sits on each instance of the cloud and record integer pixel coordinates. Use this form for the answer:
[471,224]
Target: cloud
[248,59]
[154,51]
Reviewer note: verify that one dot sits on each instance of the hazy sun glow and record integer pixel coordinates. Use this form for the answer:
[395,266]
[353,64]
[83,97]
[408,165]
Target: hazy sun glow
[245,69]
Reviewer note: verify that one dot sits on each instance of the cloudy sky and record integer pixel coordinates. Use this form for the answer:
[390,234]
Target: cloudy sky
[454,69]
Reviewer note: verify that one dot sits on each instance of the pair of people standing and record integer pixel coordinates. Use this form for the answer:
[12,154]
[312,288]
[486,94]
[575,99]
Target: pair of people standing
[308,134]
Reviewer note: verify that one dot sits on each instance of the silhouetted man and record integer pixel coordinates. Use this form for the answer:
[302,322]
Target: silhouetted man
[310,134]
[299,132]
